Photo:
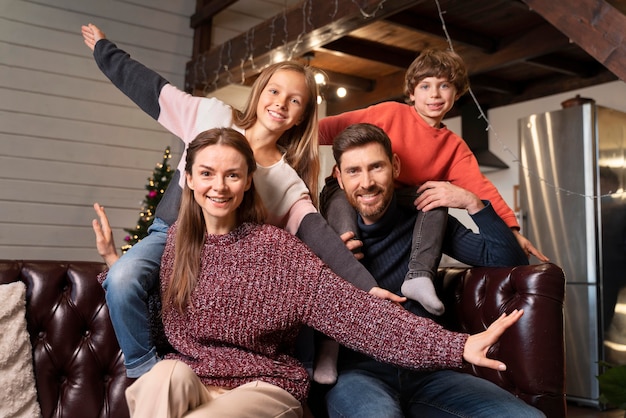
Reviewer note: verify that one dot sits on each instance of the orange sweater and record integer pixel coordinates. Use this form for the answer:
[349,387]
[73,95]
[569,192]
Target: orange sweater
[426,153]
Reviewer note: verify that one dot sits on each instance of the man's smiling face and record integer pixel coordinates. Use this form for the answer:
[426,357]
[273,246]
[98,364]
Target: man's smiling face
[367,177]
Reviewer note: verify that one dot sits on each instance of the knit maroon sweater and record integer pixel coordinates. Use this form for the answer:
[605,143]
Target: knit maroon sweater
[258,286]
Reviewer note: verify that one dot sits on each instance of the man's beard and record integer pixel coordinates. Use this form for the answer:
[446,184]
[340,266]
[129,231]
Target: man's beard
[371,211]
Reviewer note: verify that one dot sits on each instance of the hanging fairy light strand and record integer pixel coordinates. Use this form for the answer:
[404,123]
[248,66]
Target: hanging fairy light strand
[225,57]
[504,147]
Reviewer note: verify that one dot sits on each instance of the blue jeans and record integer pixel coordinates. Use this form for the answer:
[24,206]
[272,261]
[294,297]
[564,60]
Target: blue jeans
[379,390]
[127,285]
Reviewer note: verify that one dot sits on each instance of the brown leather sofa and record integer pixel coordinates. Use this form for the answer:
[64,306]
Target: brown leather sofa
[80,372]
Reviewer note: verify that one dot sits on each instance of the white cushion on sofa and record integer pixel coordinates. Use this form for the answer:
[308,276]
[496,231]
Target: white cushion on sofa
[18,394]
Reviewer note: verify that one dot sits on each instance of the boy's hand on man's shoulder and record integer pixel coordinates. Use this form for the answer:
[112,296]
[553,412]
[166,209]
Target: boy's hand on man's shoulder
[529,248]
[437,194]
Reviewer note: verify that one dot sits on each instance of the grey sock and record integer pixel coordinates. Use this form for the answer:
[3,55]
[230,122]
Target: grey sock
[325,370]
[422,290]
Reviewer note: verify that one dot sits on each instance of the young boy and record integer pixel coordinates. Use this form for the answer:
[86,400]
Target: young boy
[429,152]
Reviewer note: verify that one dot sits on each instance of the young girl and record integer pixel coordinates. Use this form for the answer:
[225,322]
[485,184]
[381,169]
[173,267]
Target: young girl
[221,273]
[280,123]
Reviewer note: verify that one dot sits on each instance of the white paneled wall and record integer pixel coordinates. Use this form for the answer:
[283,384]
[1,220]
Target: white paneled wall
[69,138]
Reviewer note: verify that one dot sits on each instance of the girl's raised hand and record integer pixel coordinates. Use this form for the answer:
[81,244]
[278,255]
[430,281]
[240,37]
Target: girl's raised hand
[91,35]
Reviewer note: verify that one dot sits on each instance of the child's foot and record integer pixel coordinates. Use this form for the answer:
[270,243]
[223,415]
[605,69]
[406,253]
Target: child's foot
[422,290]
[325,370]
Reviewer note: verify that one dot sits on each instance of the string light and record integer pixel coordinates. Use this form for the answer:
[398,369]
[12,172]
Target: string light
[320,79]
[277,55]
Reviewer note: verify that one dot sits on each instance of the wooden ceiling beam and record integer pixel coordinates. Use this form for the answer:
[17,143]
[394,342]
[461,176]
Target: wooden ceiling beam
[373,51]
[461,36]
[287,35]
[494,84]
[594,25]
[564,66]
[349,81]
[534,43]
[531,46]
[546,87]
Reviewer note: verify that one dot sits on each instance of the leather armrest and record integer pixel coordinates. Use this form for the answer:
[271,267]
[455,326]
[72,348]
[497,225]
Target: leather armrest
[533,348]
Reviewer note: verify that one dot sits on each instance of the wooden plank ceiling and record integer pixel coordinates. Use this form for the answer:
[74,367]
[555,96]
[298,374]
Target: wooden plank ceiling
[515,50]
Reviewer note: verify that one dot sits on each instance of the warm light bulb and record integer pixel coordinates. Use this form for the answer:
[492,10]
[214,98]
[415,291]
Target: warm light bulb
[319,78]
[319,99]
[341,92]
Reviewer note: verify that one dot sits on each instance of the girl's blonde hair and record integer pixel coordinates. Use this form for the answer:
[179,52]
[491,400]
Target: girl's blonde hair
[300,141]
[191,225]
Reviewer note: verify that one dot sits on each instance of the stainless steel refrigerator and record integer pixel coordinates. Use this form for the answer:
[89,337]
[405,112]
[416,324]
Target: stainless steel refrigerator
[573,208]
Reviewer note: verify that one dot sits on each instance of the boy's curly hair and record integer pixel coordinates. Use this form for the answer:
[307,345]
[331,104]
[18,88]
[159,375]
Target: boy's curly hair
[436,63]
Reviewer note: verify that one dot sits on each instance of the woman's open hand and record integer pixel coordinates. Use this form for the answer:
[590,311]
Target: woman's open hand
[477,345]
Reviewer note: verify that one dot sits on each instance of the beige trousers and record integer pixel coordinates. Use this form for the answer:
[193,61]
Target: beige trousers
[171,390]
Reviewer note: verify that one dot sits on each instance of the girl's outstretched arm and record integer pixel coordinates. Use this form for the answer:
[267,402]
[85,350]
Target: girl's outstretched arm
[141,84]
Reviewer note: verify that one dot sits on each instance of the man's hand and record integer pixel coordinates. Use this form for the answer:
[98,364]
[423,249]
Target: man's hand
[529,248]
[381,293]
[104,236]
[477,345]
[91,35]
[352,244]
[436,194]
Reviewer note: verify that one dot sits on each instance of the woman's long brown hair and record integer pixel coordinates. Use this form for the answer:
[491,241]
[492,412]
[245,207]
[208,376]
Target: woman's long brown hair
[191,226]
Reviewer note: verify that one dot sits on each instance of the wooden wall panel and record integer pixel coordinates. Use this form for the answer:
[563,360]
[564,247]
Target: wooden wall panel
[146,19]
[48,236]
[69,152]
[173,8]
[73,109]
[69,173]
[150,137]
[42,191]
[69,138]
[63,51]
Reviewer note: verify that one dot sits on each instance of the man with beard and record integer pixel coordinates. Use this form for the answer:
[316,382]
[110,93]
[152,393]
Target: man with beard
[366,169]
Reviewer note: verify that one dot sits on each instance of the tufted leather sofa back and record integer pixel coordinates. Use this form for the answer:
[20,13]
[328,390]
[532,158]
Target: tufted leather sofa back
[80,370]
[78,364]
[534,348]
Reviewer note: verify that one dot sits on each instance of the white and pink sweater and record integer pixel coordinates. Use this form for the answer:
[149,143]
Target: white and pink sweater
[282,191]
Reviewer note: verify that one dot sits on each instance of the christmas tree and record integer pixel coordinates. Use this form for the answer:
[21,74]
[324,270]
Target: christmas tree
[156,186]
